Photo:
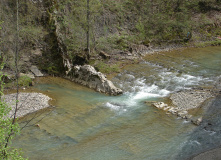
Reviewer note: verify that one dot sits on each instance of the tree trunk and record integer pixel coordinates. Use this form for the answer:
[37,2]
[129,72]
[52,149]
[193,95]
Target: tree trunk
[16,60]
[16,76]
[88,29]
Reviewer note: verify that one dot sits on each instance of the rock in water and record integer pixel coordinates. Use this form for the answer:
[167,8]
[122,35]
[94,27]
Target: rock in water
[88,76]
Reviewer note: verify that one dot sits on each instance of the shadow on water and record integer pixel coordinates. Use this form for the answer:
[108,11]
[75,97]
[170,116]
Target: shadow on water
[207,136]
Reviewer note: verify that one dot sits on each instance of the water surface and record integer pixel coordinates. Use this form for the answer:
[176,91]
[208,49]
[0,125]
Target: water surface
[86,125]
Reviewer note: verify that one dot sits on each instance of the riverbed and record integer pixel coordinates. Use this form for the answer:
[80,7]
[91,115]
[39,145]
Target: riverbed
[86,125]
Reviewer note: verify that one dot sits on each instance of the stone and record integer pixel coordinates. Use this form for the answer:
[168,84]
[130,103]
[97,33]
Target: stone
[104,55]
[30,75]
[197,121]
[36,71]
[182,113]
[88,76]
[8,78]
[160,105]
[37,52]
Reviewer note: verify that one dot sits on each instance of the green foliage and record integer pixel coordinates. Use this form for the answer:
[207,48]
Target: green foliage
[113,24]
[74,23]
[106,68]
[120,41]
[52,70]
[8,129]
[24,81]
[141,28]
[208,43]
[30,34]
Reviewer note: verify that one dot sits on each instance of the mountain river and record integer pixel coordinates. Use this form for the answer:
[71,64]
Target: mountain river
[86,125]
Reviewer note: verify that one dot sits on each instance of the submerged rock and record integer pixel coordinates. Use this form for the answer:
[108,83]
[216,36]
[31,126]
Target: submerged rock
[88,76]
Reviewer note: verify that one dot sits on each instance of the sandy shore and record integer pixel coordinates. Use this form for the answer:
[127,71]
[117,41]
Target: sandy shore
[28,103]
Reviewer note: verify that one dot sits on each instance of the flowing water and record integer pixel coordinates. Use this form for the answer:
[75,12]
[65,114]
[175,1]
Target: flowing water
[85,125]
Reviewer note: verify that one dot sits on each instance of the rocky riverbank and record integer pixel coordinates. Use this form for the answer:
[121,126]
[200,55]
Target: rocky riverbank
[28,103]
[184,101]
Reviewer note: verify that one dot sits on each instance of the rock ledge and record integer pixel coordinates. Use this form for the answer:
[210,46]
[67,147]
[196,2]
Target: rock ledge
[183,101]
[88,76]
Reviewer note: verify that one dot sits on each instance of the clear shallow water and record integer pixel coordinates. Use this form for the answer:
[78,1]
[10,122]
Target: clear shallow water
[86,125]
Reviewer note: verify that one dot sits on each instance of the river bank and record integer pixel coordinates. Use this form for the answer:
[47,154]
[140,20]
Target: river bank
[28,103]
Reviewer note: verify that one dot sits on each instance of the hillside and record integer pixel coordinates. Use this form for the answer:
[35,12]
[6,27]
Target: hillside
[52,31]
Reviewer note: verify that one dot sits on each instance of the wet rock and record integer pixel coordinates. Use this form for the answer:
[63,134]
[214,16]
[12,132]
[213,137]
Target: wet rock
[197,121]
[172,110]
[160,105]
[88,76]
[182,114]
[36,71]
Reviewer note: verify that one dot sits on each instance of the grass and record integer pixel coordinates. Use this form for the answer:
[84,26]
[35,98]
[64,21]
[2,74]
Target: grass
[208,43]
[107,68]
[23,81]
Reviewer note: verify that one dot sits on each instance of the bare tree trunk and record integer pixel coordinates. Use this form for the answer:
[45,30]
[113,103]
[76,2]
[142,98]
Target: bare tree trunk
[16,60]
[88,29]
[16,74]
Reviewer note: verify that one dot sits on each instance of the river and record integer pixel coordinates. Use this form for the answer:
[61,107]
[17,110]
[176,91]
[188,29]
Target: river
[86,125]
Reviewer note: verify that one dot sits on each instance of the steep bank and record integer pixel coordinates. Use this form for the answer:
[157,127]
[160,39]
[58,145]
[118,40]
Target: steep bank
[53,33]
[56,29]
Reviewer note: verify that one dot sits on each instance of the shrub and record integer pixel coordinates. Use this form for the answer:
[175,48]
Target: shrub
[24,81]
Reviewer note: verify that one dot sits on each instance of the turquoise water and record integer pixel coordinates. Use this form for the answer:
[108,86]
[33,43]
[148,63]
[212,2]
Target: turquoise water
[85,125]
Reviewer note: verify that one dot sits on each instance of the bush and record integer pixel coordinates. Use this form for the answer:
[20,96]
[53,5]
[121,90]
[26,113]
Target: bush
[24,81]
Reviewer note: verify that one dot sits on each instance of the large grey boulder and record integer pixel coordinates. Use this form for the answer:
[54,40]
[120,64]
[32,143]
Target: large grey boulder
[88,76]
[36,71]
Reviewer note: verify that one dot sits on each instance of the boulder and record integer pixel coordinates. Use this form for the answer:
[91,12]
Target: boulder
[30,75]
[36,71]
[8,77]
[182,114]
[104,55]
[160,105]
[197,121]
[88,76]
